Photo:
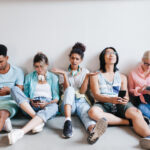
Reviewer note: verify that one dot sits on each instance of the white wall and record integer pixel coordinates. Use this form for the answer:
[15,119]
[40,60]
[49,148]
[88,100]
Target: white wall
[53,26]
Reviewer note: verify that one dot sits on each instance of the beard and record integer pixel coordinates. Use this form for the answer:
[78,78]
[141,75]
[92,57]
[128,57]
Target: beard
[3,67]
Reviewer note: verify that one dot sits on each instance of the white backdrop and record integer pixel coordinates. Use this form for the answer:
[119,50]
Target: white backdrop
[53,26]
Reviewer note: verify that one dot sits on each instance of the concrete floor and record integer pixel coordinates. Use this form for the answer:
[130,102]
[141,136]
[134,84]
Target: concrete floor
[115,138]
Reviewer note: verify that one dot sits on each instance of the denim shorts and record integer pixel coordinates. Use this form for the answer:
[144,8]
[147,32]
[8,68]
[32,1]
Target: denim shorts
[120,109]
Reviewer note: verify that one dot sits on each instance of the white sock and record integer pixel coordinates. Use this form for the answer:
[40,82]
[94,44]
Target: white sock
[67,118]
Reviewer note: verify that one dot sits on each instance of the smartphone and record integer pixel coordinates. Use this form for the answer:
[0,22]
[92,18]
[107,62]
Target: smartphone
[122,93]
[36,101]
[148,88]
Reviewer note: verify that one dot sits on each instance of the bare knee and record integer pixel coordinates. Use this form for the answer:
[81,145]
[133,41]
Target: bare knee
[133,113]
[4,114]
[94,112]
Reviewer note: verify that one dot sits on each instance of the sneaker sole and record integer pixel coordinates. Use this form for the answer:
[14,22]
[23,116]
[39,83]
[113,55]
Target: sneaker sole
[37,131]
[9,139]
[99,129]
[7,128]
[145,143]
[67,137]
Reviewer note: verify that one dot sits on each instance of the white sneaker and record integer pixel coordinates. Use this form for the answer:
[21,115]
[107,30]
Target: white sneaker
[38,128]
[7,126]
[15,135]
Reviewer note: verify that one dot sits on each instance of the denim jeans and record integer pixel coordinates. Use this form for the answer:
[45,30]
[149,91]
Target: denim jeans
[80,106]
[47,113]
[145,109]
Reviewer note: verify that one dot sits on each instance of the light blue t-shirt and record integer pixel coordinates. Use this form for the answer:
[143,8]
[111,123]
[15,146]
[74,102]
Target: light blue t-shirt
[14,76]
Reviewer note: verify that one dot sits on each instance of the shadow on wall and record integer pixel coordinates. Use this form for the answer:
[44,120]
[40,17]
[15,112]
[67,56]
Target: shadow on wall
[126,67]
[28,66]
[62,61]
[93,63]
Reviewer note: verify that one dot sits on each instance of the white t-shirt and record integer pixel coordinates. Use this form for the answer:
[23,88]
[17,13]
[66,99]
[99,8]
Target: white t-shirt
[75,81]
[43,90]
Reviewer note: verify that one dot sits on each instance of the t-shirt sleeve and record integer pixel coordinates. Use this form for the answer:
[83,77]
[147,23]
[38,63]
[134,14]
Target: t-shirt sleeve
[20,77]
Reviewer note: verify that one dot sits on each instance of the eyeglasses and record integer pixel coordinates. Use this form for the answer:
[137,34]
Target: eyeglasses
[109,53]
[146,64]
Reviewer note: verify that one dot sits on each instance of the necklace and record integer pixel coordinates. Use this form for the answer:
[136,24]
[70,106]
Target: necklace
[73,72]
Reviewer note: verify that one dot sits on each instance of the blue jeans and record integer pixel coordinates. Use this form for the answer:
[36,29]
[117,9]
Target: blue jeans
[145,109]
[80,106]
[47,113]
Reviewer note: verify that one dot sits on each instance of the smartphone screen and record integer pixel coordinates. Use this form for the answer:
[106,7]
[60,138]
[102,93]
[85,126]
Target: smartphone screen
[122,93]
[36,101]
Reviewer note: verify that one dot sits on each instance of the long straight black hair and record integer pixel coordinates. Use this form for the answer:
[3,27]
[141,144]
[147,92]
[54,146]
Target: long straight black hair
[102,59]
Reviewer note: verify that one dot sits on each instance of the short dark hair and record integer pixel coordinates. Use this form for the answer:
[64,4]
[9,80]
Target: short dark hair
[78,48]
[3,50]
[102,59]
[40,57]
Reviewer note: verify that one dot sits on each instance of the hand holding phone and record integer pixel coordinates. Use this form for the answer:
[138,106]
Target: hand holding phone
[122,93]
[36,101]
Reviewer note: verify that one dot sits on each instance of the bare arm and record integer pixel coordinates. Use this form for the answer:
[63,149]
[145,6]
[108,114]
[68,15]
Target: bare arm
[6,90]
[20,86]
[96,91]
[53,101]
[124,86]
[84,86]
[59,71]
[103,98]
[66,82]
[85,83]
[43,104]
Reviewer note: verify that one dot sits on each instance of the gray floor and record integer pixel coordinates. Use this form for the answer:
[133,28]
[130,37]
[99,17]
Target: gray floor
[117,138]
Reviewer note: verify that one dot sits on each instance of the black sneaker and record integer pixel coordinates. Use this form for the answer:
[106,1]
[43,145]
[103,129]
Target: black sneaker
[67,131]
[98,130]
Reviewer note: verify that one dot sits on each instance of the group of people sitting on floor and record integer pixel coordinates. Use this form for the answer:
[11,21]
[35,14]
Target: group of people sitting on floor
[38,95]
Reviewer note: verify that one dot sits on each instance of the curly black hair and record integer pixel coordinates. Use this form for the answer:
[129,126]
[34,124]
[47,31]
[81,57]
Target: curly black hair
[78,48]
